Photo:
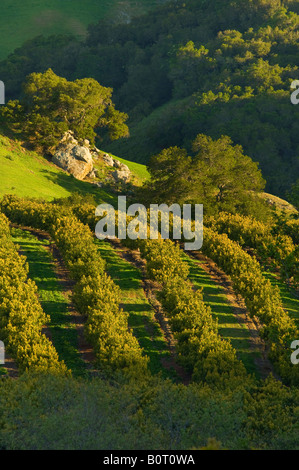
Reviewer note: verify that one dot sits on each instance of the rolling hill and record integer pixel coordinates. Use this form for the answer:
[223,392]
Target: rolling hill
[28,174]
[30,18]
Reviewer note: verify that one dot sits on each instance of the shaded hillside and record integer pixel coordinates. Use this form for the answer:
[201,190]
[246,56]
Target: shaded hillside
[33,17]
[219,68]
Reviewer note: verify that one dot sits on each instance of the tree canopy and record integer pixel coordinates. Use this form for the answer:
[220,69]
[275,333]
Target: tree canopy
[51,105]
[294,194]
[218,174]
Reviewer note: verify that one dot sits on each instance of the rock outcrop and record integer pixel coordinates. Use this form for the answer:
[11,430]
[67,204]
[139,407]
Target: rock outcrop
[74,158]
[108,160]
[78,160]
[122,172]
[122,176]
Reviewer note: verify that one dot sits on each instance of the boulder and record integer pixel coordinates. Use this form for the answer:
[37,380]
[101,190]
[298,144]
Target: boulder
[108,159]
[124,167]
[72,157]
[98,184]
[122,173]
[69,138]
[95,153]
[122,176]
[93,174]
[116,163]
[121,166]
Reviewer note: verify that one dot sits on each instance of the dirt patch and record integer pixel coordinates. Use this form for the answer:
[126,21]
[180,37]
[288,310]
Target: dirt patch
[11,367]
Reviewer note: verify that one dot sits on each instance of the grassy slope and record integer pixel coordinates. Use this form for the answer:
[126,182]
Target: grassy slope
[28,174]
[54,303]
[23,19]
[138,169]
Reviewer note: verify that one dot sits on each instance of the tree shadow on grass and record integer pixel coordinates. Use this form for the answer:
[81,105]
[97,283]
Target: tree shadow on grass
[236,333]
[129,307]
[126,276]
[72,185]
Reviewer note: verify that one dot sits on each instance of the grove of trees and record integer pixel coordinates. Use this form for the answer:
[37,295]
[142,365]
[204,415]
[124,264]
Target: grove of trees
[217,174]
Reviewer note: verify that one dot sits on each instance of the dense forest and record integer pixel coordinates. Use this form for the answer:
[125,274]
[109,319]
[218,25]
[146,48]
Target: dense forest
[218,68]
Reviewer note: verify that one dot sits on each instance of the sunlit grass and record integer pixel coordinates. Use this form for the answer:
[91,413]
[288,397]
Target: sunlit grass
[141,313]
[289,300]
[54,303]
[229,327]
[28,174]
[24,19]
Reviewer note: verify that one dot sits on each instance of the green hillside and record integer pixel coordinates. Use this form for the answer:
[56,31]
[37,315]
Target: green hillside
[29,18]
[28,174]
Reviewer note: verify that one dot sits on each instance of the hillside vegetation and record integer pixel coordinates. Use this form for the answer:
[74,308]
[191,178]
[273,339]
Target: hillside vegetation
[33,17]
[218,68]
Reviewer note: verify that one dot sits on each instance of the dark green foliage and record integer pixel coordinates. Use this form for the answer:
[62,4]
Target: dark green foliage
[294,194]
[69,414]
[218,175]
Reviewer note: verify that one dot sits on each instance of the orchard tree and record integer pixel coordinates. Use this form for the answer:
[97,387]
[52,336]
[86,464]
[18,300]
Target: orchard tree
[51,105]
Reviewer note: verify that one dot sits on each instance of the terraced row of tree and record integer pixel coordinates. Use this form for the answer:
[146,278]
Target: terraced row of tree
[262,299]
[227,308]
[46,270]
[163,268]
[275,245]
[21,315]
[199,344]
[210,358]
[195,332]
[138,304]
[137,308]
[95,294]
